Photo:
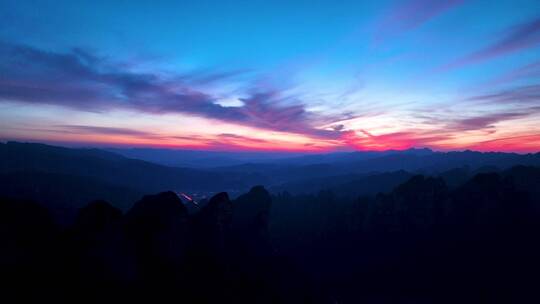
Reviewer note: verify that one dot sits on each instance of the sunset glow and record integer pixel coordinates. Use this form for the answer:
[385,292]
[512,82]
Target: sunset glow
[266,76]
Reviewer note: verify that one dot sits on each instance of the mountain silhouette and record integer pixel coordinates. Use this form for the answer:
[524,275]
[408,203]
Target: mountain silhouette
[466,234]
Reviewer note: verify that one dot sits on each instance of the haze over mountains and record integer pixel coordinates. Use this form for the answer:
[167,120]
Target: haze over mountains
[201,158]
[70,178]
[140,171]
[212,159]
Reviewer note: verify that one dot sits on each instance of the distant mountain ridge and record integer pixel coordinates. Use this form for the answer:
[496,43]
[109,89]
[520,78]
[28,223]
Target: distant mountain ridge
[414,159]
[209,159]
[119,178]
[106,166]
[69,178]
[200,158]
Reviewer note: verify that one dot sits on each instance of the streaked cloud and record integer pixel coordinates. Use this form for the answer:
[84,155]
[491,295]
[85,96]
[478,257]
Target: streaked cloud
[522,36]
[527,143]
[411,14]
[525,72]
[289,77]
[529,94]
[81,80]
[79,129]
[484,121]
[364,140]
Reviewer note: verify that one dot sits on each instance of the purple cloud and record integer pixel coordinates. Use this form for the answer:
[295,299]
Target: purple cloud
[235,137]
[484,122]
[269,112]
[412,14]
[523,36]
[80,129]
[528,71]
[525,95]
[208,77]
[81,80]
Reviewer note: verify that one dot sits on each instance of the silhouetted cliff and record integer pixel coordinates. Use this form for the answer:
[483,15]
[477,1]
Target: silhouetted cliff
[423,242]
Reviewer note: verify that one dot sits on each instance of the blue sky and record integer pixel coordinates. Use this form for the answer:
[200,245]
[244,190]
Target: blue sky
[293,75]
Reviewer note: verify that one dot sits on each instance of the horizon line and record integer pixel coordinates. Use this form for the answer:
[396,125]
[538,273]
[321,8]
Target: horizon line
[81,145]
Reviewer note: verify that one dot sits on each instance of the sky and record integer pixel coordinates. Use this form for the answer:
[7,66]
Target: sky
[311,76]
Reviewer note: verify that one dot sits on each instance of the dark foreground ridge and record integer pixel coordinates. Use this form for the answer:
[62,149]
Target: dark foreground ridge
[422,242]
